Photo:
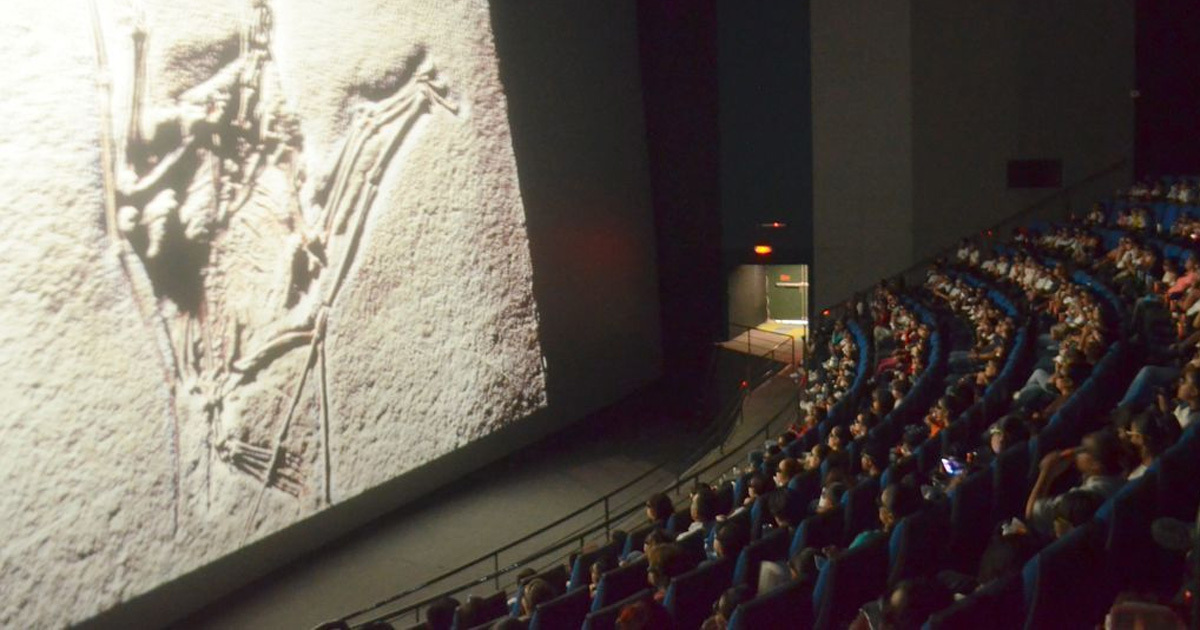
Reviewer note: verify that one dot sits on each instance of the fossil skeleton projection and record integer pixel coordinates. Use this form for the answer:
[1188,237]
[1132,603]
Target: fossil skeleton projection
[235,263]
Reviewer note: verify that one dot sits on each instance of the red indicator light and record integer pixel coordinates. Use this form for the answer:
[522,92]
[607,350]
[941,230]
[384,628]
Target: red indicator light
[783,277]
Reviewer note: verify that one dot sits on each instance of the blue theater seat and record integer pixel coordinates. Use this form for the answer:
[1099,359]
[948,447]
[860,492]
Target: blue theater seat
[784,607]
[1010,482]
[818,531]
[606,618]
[680,520]
[636,540]
[491,608]
[1069,584]
[850,580]
[861,509]
[758,512]
[929,455]
[995,606]
[806,485]
[690,596]
[620,583]
[1127,517]
[970,521]
[557,576]
[565,611]
[581,570]
[917,545]
[773,546]
[1178,471]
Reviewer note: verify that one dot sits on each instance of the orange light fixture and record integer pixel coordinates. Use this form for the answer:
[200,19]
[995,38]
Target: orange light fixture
[763,250]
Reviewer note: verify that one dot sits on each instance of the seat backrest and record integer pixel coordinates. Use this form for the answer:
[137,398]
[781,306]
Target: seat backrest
[606,618]
[1010,482]
[620,583]
[1178,468]
[694,541]
[758,513]
[784,607]
[806,485]
[995,606]
[917,545]
[928,455]
[1069,584]
[970,520]
[772,546]
[861,509]
[848,581]
[636,540]
[557,576]
[1137,562]
[581,570]
[818,531]
[680,520]
[690,596]
[725,497]
[490,608]
[565,611]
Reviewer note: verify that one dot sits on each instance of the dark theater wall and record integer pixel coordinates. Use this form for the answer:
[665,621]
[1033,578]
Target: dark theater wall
[993,82]
[766,129]
[1168,82]
[862,144]
[919,106]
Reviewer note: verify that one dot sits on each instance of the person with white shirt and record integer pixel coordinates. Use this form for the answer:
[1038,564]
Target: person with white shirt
[1098,459]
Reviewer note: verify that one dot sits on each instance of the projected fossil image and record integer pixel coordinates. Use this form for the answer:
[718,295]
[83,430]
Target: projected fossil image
[233,258]
[261,257]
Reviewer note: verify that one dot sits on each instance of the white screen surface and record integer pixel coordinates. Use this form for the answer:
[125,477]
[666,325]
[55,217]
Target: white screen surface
[274,260]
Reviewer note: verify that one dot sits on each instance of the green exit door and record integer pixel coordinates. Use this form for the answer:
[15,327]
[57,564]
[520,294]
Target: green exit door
[787,293]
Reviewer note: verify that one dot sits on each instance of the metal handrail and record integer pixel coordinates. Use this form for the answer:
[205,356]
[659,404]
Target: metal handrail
[722,462]
[507,546]
[577,537]
[705,447]
[789,339]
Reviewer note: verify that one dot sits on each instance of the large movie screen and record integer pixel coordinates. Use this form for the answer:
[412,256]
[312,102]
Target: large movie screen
[259,256]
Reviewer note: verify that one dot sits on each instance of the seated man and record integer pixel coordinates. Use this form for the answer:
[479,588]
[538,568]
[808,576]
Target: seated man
[1098,459]
[787,469]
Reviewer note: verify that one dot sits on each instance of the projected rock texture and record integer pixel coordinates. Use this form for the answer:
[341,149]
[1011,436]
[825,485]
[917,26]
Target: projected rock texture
[260,257]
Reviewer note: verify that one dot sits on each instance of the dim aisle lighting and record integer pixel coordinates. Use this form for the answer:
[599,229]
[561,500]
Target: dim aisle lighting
[762,250]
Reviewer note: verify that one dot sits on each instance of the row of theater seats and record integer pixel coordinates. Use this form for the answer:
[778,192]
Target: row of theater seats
[1070,582]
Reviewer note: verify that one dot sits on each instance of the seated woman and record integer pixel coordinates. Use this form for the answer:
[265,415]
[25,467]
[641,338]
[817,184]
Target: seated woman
[1149,435]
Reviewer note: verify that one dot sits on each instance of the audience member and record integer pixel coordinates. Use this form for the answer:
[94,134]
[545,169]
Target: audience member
[659,509]
[732,537]
[1098,460]
[723,608]
[439,615]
